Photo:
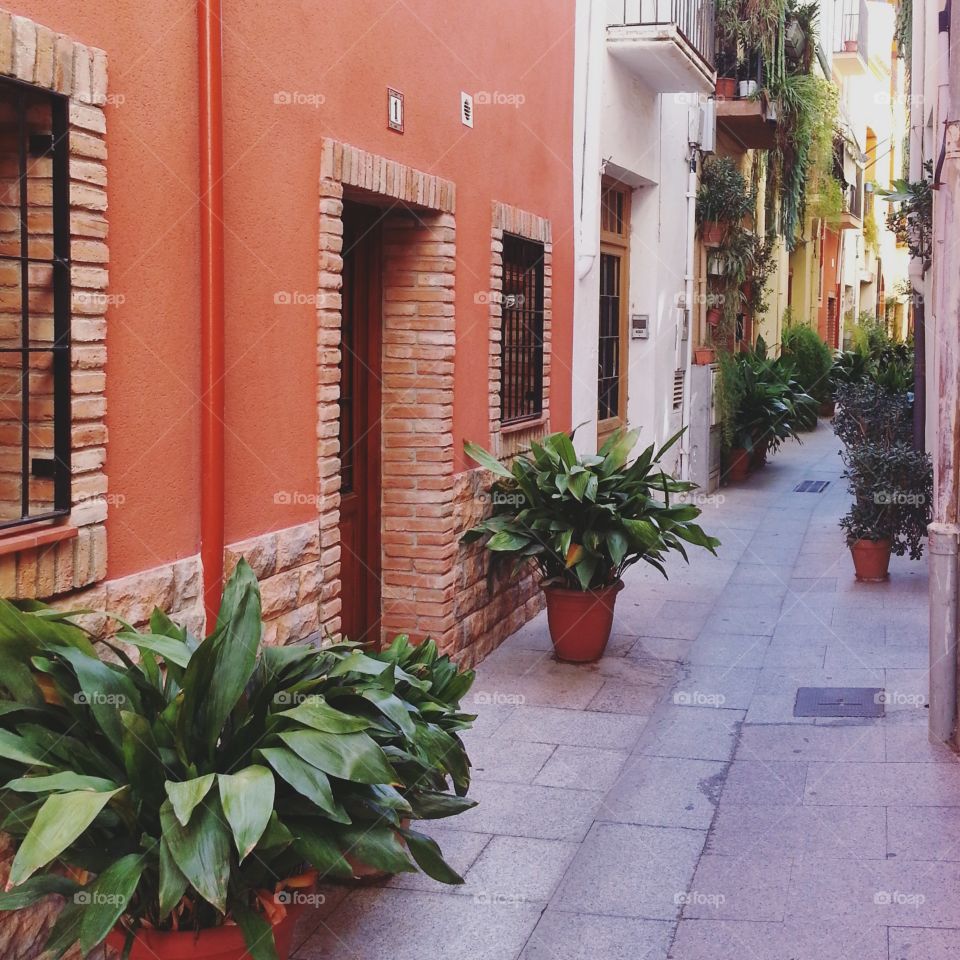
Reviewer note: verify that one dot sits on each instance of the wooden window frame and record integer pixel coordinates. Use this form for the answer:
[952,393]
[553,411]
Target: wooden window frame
[617,243]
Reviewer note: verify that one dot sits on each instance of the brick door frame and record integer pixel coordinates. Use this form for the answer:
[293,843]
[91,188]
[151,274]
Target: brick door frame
[418,531]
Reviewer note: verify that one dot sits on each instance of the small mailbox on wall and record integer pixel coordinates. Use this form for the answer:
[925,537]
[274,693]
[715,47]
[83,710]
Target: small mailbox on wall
[639,326]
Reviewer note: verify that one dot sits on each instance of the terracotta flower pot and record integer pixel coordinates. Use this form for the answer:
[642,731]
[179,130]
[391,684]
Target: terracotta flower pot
[714,316]
[217,943]
[738,466]
[726,88]
[850,46]
[580,621]
[827,409]
[712,232]
[871,559]
[704,356]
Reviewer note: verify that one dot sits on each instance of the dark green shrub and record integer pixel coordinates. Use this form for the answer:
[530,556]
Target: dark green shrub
[724,194]
[869,413]
[811,359]
[892,487]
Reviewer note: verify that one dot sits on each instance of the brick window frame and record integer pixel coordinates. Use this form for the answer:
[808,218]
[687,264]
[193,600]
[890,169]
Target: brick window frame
[49,559]
[419,542]
[506,441]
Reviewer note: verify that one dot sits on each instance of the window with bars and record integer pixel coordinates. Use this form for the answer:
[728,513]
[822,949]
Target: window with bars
[521,377]
[34,305]
[615,201]
[611,308]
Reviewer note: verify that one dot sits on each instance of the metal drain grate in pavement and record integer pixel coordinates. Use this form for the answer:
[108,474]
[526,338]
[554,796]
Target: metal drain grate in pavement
[811,486]
[839,702]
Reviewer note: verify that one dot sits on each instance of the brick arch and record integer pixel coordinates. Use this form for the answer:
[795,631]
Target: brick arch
[418,510]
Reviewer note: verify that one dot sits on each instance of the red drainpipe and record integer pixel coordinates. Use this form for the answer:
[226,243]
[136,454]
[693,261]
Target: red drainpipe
[209,17]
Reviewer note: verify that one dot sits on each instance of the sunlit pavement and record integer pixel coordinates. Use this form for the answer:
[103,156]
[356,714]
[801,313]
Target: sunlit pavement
[665,802]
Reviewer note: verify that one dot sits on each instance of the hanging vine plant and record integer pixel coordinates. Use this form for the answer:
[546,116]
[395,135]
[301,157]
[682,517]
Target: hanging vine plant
[808,116]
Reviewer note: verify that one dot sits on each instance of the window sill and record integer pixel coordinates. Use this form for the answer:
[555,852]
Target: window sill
[522,425]
[31,539]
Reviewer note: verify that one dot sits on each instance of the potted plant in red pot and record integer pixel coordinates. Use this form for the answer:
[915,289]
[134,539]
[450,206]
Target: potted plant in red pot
[184,798]
[723,198]
[582,521]
[892,486]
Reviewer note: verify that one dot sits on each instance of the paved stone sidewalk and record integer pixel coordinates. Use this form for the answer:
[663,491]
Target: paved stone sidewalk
[665,802]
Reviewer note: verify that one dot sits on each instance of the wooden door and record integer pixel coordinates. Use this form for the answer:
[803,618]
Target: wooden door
[360,411]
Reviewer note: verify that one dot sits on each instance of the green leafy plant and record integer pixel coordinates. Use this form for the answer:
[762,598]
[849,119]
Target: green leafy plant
[811,358]
[801,162]
[583,520]
[892,487]
[848,367]
[723,194]
[871,232]
[868,413]
[911,214]
[729,396]
[771,404]
[189,786]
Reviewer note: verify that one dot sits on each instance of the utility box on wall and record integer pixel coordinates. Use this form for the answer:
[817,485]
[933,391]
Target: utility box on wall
[704,430]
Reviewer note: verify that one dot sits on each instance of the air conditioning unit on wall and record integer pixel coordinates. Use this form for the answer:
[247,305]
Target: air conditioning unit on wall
[702,126]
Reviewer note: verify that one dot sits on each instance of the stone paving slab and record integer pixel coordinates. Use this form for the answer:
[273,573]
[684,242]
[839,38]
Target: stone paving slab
[791,940]
[573,727]
[626,870]
[582,768]
[731,687]
[697,734]
[794,830]
[790,742]
[884,784]
[741,887]
[515,869]
[728,649]
[918,943]
[617,696]
[523,810]
[664,792]
[888,892]
[578,936]
[933,836]
[508,761]
[771,782]
[406,925]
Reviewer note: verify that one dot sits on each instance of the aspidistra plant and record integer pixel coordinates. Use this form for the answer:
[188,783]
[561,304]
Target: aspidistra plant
[154,780]
[583,520]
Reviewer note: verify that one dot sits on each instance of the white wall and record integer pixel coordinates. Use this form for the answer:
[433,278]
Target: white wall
[641,138]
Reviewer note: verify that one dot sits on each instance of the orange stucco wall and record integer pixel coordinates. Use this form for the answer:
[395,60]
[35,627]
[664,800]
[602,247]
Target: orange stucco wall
[338,59]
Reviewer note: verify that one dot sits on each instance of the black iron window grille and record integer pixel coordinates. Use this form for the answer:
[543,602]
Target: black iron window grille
[608,387]
[521,381]
[34,305]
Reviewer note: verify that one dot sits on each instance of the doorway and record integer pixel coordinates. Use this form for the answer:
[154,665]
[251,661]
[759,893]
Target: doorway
[360,430]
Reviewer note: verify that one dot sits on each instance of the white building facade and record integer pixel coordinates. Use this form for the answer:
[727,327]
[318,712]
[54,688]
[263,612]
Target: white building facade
[643,68]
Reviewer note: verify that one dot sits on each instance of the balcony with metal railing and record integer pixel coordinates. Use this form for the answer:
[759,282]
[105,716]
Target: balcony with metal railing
[666,43]
[850,33]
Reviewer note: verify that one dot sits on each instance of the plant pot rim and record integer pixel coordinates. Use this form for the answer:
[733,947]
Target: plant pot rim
[615,587]
[868,543]
[193,944]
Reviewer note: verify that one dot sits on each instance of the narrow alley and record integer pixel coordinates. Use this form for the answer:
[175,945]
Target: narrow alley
[666,802]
